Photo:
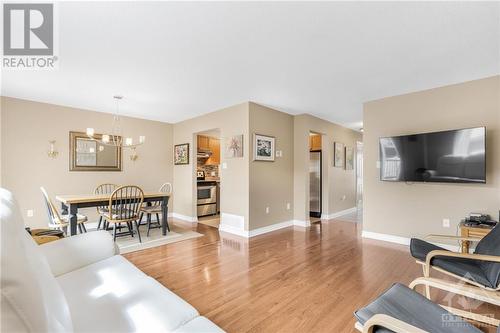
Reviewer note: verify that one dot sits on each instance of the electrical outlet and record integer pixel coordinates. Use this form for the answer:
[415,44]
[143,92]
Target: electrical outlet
[29,213]
[287,206]
[279,153]
[267,210]
[446,223]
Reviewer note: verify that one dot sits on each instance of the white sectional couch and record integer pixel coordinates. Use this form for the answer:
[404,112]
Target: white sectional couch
[80,284]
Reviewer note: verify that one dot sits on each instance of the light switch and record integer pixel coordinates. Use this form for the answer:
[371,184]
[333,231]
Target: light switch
[224,165]
[378,164]
[29,213]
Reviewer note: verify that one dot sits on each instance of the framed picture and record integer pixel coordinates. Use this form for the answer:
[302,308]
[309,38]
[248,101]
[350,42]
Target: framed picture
[181,154]
[234,146]
[263,147]
[338,154]
[349,158]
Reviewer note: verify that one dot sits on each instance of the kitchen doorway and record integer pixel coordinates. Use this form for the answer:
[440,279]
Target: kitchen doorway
[208,146]
[315,177]
[359,175]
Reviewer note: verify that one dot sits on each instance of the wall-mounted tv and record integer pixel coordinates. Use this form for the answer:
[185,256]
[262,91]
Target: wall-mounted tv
[456,156]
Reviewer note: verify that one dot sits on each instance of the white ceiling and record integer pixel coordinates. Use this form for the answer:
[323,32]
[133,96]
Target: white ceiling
[174,61]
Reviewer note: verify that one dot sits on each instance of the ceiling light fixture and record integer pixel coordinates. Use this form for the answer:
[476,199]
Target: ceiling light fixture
[115,137]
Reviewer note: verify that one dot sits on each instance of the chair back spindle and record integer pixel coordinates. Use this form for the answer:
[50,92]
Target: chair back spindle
[51,209]
[126,201]
[106,188]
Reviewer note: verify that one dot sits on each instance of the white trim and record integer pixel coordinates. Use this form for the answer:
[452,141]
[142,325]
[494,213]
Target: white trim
[386,237]
[402,240]
[340,213]
[269,228]
[301,223]
[232,230]
[192,219]
[233,224]
[255,232]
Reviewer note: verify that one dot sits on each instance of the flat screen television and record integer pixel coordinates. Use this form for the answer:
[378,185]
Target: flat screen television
[456,156]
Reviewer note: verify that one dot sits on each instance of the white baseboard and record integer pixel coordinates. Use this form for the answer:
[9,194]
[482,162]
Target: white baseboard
[269,228]
[233,224]
[386,237]
[255,232]
[402,240]
[301,223]
[192,219]
[340,213]
[233,230]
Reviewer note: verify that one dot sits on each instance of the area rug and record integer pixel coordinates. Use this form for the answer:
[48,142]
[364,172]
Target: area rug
[129,244]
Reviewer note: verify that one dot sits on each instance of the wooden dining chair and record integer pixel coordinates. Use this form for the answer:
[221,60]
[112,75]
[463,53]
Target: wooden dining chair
[156,209]
[61,222]
[124,205]
[106,188]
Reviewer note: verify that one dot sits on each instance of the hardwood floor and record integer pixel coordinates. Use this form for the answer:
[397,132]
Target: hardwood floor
[291,280]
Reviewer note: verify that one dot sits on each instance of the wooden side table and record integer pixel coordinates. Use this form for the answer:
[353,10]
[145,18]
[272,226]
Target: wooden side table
[478,231]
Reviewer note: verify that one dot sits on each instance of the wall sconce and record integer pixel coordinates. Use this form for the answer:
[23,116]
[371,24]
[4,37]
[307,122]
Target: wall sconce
[134,156]
[52,152]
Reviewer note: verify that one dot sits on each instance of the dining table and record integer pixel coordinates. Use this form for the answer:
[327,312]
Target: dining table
[71,203]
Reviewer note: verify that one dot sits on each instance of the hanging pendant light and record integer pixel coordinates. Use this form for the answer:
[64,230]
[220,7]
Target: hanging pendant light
[115,137]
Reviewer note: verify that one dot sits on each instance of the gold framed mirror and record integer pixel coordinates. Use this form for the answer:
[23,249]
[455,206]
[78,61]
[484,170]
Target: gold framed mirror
[86,154]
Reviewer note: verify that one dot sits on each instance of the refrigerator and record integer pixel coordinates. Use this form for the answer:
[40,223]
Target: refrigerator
[315,184]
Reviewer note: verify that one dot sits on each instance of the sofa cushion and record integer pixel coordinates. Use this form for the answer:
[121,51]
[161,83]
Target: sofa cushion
[114,296]
[31,297]
[199,325]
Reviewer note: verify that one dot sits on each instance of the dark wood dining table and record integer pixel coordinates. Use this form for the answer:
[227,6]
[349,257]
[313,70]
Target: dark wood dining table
[71,203]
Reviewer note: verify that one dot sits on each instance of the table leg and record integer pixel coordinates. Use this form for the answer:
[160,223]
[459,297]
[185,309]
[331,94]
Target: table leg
[73,210]
[164,215]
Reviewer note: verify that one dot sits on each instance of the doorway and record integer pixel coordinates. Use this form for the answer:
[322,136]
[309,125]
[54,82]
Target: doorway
[315,177]
[208,177]
[359,174]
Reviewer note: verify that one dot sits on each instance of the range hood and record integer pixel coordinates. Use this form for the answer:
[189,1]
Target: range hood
[203,153]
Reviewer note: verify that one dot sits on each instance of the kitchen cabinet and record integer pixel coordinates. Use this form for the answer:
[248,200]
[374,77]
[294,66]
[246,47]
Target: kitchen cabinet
[315,142]
[214,147]
[203,142]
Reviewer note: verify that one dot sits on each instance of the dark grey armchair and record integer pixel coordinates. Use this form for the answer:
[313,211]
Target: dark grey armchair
[401,309]
[478,274]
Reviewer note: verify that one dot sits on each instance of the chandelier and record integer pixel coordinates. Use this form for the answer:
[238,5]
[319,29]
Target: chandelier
[115,137]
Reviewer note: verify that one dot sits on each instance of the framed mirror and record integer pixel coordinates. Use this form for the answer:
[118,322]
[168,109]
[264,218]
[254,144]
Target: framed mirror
[86,154]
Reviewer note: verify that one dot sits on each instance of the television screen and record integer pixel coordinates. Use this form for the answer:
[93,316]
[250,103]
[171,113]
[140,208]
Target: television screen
[457,156]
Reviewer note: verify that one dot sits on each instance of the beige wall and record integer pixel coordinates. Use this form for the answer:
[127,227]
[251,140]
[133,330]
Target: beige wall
[234,179]
[271,183]
[418,209]
[337,182]
[27,127]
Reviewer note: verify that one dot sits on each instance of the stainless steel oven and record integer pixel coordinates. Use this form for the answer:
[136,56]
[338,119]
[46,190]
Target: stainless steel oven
[207,199]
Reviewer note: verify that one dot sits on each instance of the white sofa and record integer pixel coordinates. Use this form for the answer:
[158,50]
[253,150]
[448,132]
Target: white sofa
[80,284]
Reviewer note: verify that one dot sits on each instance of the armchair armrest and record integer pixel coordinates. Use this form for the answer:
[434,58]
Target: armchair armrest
[451,237]
[71,253]
[457,288]
[443,253]
[390,323]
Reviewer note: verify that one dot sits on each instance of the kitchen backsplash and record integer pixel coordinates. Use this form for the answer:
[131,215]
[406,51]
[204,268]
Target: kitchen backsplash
[209,169]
